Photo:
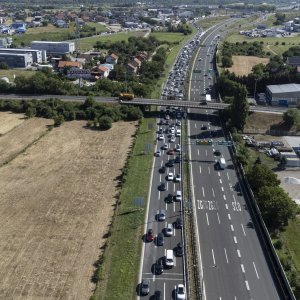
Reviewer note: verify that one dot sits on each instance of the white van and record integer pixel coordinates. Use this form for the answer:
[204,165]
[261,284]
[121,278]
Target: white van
[178,196]
[222,163]
[169,259]
[178,132]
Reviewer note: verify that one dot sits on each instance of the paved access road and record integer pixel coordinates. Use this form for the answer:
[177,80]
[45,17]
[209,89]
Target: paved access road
[233,262]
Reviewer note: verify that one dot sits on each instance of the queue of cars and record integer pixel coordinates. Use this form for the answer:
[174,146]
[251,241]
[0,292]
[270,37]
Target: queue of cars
[168,136]
[174,88]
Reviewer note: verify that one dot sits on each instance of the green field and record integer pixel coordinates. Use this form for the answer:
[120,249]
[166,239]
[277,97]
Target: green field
[11,72]
[171,37]
[88,43]
[211,21]
[269,42]
[99,27]
[120,263]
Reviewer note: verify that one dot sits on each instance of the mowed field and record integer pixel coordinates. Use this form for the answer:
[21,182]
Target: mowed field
[242,65]
[56,204]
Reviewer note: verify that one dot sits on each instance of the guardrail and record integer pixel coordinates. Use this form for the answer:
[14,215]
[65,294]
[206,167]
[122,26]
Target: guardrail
[283,286]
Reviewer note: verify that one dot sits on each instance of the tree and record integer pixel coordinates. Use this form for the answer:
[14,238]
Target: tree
[58,120]
[276,206]
[291,117]
[89,102]
[3,65]
[227,61]
[260,176]
[30,112]
[105,122]
[239,107]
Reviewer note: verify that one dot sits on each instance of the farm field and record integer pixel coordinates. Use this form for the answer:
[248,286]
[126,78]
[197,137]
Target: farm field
[57,201]
[242,65]
[9,121]
[211,21]
[170,37]
[271,44]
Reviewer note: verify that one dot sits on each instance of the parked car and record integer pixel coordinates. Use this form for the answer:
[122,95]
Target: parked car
[145,287]
[150,235]
[160,239]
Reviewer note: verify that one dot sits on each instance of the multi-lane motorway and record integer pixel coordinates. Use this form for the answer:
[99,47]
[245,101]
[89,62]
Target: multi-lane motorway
[233,265]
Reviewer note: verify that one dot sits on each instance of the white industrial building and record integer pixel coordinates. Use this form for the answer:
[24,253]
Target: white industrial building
[283,94]
[56,48]
[16,60]
[37,55]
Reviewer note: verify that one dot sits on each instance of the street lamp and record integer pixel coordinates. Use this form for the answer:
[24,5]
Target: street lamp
[125,81]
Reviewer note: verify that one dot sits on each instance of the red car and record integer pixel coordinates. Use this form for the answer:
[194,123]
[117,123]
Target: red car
[150,236]
[171,152]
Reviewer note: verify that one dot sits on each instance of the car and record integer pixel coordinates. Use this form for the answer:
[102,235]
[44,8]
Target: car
[203,127]
[177,148]
[169,229]
[179,249]
[159,267]
[161,216]
[172,139]
[178,123]
[170,163]
[145,287]
[170,177]
[167,117]
[177,178]
[169,198]
[157,295]
[217,152]
[171,152]
[160,137]
[160,239]
[162,170]
[180,292]
[177,159]
[165,146]
[179,223]
[162,186]
[157,153]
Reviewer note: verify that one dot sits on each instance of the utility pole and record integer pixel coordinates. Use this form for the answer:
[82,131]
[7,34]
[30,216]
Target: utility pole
[125,81]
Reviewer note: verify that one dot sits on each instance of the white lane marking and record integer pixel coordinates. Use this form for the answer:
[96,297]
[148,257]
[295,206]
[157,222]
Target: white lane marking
[195,125]
[226,206]
[220,180]
[231,226]
[213,256]
[224,197]
[255,270]
[234,198]
[200,169]
[203,192]
[239,253]
[227,176]
[222,189]
[158,195]
[218,218]
[161,163]
[164,290]
[226,255]
[213,192]
[229,216]
[206,152]
[174,188]
[208,170]
[167,185]
[207,219]
[219,174]
[242,267]
[174,232]
[166,208]
[198,152]
[247,285]
[243,230]
[235,240]
[160,177]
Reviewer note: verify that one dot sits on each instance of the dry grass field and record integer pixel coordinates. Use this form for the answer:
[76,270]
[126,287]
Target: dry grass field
[9,121]
[258,122]
[56,203]
[242,65]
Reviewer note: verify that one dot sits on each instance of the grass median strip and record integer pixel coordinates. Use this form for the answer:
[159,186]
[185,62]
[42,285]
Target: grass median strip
[120,262]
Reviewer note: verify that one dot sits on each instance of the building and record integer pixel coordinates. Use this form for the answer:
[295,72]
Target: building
[112,59]
[16,60]
[100,72]
[293,61]
[56,48]
[37,55]
[62,65]
[284,94]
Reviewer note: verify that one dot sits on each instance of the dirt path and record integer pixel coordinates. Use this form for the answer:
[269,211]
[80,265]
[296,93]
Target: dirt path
[56,204]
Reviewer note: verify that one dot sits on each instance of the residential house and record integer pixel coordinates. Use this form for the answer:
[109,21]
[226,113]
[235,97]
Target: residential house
[62,65]
[131,68]
[112,59]
[136,62]
[100,72]
[142,56]
[61,24]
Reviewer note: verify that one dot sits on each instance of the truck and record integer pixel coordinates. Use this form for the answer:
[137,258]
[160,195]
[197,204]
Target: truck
[207,99]
[222,163]
[126,96]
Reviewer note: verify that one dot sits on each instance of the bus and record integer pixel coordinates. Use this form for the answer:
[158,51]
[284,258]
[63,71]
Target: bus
[126,96]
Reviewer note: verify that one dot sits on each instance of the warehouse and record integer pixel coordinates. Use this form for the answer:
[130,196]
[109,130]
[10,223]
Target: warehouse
[37,55]
[14,60]
[56,48]
[283,95]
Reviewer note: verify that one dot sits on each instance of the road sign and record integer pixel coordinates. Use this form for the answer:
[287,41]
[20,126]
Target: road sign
[204,143]
[196,71]
[225,143]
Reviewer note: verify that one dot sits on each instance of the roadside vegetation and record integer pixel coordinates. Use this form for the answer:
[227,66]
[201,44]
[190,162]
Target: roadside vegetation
[117,268]
[208,22]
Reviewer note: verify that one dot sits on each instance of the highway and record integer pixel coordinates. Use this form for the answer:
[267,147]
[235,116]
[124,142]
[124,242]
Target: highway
[233,265]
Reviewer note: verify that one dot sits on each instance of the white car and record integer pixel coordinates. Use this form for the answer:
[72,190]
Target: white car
[177,148]
[180,292]
[177,178]
[170,176]
[161,137]
[172,139]
[165,146]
